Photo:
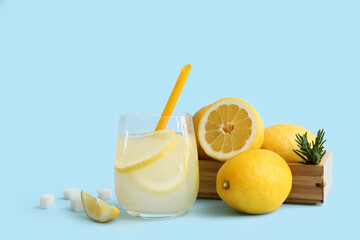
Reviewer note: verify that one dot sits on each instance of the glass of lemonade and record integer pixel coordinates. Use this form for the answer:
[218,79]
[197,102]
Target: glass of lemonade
[156,172]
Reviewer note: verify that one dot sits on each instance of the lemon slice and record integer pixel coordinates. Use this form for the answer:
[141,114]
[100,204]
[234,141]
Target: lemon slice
[166,174]
[136,152]
[96,209]
[226,128]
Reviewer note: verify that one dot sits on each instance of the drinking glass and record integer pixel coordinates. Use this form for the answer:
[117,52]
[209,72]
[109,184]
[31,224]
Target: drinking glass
[156,172]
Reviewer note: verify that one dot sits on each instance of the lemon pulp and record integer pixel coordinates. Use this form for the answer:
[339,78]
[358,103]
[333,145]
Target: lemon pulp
[96,209]
[226,128]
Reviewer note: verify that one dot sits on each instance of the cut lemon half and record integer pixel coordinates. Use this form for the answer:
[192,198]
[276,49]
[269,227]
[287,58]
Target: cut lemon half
[138,151]
[227,127]
[96,209]
[167,174]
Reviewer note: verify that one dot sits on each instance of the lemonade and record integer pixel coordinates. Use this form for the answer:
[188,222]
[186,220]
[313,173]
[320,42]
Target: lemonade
[156,173]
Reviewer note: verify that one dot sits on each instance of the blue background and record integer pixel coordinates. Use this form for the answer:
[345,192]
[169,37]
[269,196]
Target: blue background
[69,68]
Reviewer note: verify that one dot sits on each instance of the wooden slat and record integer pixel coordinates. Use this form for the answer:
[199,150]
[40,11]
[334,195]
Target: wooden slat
[305,182]
[310,193]
[311,183]
[302,201]
[209,196]
[327,176]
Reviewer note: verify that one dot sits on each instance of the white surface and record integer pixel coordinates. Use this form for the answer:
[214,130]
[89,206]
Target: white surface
[76,204]
[47,201]
[105,194]
[71,191]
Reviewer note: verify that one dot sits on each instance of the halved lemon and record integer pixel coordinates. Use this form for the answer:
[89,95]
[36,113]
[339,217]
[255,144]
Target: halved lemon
[227,127]
[96,209]
[138,151]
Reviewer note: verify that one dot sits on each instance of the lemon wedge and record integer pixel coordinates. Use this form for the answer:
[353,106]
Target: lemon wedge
[96,209]
[136,152]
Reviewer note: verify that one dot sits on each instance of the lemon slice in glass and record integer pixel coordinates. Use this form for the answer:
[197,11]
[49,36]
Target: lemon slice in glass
[166,174]
[96,209]
[141,150]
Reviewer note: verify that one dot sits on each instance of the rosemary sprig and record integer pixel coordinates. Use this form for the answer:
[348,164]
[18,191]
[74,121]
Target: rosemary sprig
[312,152]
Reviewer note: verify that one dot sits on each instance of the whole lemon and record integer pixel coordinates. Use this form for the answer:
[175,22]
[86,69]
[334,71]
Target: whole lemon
[280,138]
[254,182]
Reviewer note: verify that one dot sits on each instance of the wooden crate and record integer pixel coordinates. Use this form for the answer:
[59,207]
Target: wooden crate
[311,183]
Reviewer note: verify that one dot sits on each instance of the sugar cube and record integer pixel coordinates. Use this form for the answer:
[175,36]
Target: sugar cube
[71,191]
[47,201]
[105,194]
[76,204]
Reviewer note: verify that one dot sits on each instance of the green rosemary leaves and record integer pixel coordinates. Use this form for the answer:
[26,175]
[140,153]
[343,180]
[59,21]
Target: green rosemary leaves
[312,152]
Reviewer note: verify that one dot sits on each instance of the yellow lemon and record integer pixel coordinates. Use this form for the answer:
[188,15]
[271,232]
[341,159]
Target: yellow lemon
[96,209]
[227,127]
[254,182]
[280,138]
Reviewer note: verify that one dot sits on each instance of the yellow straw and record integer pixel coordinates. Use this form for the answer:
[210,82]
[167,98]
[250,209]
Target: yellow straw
[170,105]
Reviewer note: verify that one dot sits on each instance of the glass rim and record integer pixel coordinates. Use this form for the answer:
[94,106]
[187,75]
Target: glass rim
[153,115]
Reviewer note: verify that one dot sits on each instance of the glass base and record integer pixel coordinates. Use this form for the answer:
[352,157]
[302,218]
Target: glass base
[151,215]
